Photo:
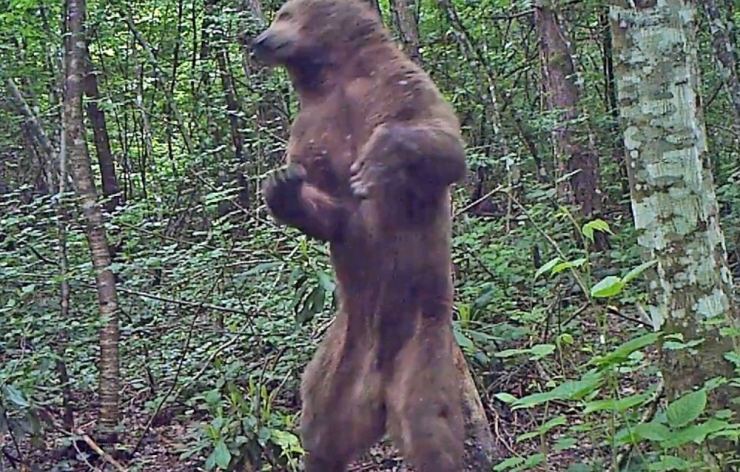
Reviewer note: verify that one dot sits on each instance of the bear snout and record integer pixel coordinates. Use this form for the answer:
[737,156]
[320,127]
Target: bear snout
[266,45]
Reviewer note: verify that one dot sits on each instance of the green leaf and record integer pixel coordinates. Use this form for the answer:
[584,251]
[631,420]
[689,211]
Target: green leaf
[734,358]
[696,433]
[552,423]
[463,341]
[541,350]
[565,443]
[505,397]
[567,265]
[509,463]
[16,396]
[311,305]
[464,312]
[326,281]
[687,408]
[533,460]
[287,441]
[526,436]
[222,455]
[26,289]
[576,389]
[671,463]
[484,299]
[607,287]
[653,431]
[510,352]
[638,270]
[616,405]
[565,339]
[211,461]
[622,352]
[595,225]
[533,400]
[546,267]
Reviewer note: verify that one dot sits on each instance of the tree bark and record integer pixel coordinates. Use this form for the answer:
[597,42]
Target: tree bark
[233,111]
[673,197]
[610,98]
[480,448]
[82,176]
[575,151]
[57,181]
[404,17]
[100,136]
[724,53]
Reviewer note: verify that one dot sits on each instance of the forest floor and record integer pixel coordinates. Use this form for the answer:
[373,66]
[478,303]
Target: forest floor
[163,444]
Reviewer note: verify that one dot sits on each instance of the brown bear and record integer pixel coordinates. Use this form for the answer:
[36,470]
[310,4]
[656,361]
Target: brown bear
[371,157]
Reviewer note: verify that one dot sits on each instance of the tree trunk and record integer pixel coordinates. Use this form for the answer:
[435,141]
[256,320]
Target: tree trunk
[64,287]
[233,111]
[480,447]
[575,152]
[723,50]
[57,181]
[404,17]
[610,98]
[82,176]
[100,136]
[673,198]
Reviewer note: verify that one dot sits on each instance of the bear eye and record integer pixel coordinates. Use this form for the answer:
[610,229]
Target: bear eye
[284,16]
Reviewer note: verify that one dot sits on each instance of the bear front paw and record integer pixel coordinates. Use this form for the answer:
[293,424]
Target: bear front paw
[366,176]
[281,189]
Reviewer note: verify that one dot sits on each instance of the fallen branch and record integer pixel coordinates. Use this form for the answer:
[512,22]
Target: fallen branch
[100,452]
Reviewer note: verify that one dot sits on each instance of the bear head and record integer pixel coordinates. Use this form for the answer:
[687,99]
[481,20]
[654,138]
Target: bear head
[319,33]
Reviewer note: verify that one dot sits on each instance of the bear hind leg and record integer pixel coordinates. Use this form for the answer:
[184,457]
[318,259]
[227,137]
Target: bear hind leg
[425,414]
[340,438]
[343,410]
[431,439]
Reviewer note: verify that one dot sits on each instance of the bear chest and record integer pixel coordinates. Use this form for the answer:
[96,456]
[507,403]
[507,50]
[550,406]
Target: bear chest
[326,146]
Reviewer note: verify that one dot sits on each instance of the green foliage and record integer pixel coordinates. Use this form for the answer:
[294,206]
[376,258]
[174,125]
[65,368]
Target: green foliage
[242,430]
[609,417]
[220,309]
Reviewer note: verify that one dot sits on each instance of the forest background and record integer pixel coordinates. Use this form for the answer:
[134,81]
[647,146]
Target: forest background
[187,349]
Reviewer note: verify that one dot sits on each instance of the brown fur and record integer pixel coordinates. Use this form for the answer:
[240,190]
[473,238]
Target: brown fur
[371,156]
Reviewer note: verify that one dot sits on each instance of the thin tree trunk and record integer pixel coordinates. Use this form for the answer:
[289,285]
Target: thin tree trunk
[406,22]
[498,101]
[575,152]
[82,176]
[673,197]
[57,182]
[101,138]
[64,288]
[612,105]
[724,53]
[33,124]
[233,110]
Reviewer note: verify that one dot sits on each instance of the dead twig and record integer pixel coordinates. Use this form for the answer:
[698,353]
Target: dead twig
[100,452]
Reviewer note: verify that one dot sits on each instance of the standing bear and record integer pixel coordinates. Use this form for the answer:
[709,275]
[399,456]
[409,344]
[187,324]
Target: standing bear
[370,161]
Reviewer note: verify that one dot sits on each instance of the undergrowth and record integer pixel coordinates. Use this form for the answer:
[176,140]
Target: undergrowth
[215,331]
